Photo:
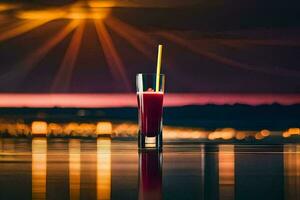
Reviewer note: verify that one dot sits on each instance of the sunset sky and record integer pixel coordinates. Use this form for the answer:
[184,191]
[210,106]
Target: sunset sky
[99,46]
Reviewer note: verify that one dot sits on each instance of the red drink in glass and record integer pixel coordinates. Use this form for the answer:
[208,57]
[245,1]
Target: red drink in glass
[150,94]
[150,106]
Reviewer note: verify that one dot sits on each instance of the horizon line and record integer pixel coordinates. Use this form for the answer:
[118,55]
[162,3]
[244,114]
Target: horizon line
[116,100]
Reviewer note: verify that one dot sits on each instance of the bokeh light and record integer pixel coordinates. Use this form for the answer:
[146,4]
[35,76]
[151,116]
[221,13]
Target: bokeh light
[39,128]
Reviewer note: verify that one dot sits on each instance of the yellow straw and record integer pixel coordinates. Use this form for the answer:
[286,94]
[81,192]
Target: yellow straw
[158,66]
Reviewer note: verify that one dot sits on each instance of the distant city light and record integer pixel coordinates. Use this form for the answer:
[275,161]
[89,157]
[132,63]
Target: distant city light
[39,128]
[104,128]
[294,131]
[286,134]
[225,133]
[291,131]
[258,136]
[240,135]
[265,133]
[130,129]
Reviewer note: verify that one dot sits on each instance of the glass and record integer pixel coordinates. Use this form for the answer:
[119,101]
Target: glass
[150,109]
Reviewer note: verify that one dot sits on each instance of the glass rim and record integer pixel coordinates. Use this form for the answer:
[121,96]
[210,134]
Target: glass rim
[149,74]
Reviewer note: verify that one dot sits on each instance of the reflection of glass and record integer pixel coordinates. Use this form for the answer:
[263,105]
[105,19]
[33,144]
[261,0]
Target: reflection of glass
[103,168]
[74,168]
[150,106]
[292,171]
[150,175]
[39,168]
[226,172]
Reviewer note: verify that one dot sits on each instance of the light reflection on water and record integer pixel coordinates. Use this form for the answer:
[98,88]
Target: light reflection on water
[226,172]
[39,168]
[110,169]
[292,171]
[74,169]
[103,168]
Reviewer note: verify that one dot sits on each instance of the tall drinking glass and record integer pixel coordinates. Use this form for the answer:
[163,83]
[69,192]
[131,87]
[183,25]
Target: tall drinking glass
[150,109]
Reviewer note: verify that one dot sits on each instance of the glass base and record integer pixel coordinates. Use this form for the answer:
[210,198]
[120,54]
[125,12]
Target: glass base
[154,142]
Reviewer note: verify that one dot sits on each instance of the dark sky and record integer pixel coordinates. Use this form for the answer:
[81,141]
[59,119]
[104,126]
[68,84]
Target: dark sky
[210,46]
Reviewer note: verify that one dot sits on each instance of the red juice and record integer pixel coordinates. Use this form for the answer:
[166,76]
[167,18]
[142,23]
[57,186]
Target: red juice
[150,106]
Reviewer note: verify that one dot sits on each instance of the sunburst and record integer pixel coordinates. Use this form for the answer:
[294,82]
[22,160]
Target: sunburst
[25,19]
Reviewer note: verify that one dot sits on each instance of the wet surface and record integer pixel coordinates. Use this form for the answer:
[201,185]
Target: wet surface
[112,169]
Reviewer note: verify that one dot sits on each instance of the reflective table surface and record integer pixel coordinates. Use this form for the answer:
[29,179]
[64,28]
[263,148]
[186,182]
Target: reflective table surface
[102,168]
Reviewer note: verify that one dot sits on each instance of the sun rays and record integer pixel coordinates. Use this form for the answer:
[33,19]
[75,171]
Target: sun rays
[24,21]
[22,68]
[138,39]
[113,59]
[78,13]
[21,29]
[224,60]
[8,6]
[63,77]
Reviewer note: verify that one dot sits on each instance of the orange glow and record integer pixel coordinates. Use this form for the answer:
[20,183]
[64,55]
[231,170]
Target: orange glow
[55,129]
[291,171]
[170,133]
[228,133]
[71,128]
[225,133]
[21,29]
[262,134]
[101,4]
[104,128]
[286,134]
[21,69]
[240,135]
[258,136]
[103,168]
[294,131]
[84,129]
[137,38]
[63,77]
[291,131]
[39,128]
[15,129]
[124,129]
[92,14]
[56,39]
[72,12]
[130,129]
[39,168]
[226,171]
[112,57]
[8,6]
[139,4]
[47,14]
[265,133]
[74,169]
